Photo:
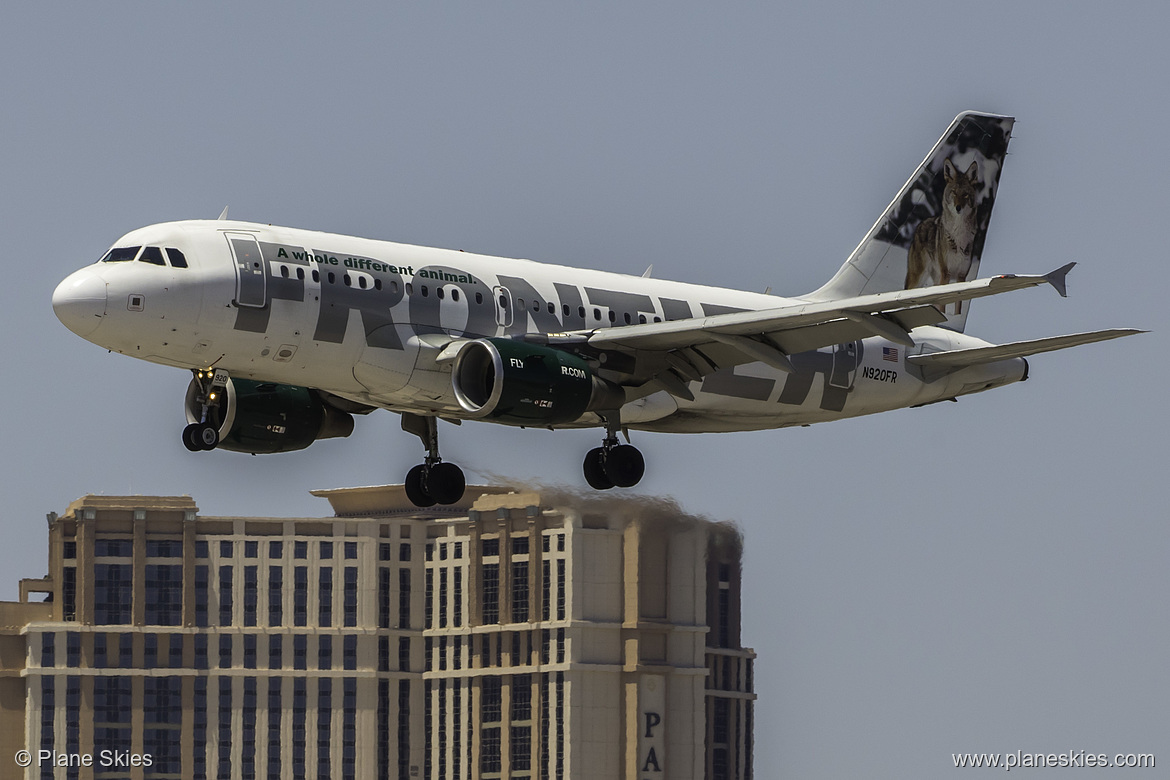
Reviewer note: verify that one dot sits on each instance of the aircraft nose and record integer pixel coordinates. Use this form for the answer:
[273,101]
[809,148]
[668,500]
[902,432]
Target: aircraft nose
[80,301]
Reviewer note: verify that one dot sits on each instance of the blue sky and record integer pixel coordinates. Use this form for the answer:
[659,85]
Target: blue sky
[982,576]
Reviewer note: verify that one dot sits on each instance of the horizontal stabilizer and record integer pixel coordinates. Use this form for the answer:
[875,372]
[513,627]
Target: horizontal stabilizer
[959,358]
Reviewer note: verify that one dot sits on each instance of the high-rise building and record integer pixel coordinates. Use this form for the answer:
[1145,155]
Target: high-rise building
[519,635]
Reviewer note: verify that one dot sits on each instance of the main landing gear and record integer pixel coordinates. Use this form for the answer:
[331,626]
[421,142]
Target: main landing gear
[204,434]
[613,464]
[432,481]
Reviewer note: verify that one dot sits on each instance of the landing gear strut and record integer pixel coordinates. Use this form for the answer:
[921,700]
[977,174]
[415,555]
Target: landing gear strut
[204,434]
[432,481]
[613,464]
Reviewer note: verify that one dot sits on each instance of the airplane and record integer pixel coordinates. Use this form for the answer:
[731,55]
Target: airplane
[290,333]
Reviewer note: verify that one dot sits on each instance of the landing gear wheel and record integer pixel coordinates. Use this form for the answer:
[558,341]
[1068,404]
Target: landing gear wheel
[445,483]
[416,490]
[594,468]
[624,465]
[190,438]
[207,436]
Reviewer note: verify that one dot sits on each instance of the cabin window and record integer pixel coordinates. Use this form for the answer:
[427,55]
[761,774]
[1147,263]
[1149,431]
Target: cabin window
[377,284]
[176,257]
[657,319]
[455,295]
[439,293]
[423,289]
[641,319]
[597,314]
[627,317]
[152,255]
[362,282]
[565,309]
[612,315]
[316,275]
[345,278]
[552,308]
[519,303]
[121,254]
[332,278]
[581,312]
[503,301]
[479,297]
[301,274]
[284,271]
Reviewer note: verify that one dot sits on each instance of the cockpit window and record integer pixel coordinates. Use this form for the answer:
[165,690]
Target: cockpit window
[121,254]
[152,255]
[177,258]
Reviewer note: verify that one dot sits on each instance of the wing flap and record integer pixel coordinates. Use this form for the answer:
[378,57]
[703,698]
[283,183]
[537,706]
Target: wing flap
[903,306]
[959,358]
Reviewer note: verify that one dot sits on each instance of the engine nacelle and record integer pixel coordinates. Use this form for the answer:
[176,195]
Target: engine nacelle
[526,384]
[265,417]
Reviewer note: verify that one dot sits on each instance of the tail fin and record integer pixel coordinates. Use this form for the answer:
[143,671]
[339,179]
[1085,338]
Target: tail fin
[934,230]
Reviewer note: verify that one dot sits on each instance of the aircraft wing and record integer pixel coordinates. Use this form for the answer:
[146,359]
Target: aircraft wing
[769,335]
[959,358]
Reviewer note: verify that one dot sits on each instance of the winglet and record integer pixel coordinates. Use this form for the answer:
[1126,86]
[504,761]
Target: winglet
[1056,279]
[223,214]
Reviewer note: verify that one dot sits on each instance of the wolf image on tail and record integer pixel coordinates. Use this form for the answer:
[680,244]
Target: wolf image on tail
[940,252]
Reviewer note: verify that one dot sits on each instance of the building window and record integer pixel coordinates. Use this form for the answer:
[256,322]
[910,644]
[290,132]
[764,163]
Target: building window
[521,748]
[251,549]
[326,550]
[48,650]
[201,651]
[225,651]
[404,598]
[149,651]
[442,596]
[225,727]
[275,549]
[164,594]
[300,595]
[113,548]
[491,592]
[560,589]
[225,549]
[248,741]
[383,598]
[349,652]
[164,548]
[100,658]
[349,728]
[251,594]
[324,651]
[275,595]
[275,648]
[491,700]
[429,598]
[350,597]
[176,652]
[225,594]
[490,547]
[301,550]
[199,721]
[300,651]
[162,704]
[351,550]
[489,748]
[69,593]
[69,550]
[112,593]
[404,551]
[274,741]
[113,708]
[325,591]
[384,551]
[324,717]
[202,579]
[299,709]
[249,651]
[403,729]
[404,654]
[520,590]
[457,607]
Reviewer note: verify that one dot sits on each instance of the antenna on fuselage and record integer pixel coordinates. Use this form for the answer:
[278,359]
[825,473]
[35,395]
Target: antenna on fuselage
[647,272]
[223,214]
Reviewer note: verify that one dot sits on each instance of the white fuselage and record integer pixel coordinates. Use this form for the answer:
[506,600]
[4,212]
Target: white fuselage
[365,320]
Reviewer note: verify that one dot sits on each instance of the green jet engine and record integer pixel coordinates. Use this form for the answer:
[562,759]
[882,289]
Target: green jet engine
[265,417]
[525,384]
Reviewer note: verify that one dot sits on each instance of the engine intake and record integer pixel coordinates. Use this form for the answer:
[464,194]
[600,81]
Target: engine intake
[265,417]
[526,384]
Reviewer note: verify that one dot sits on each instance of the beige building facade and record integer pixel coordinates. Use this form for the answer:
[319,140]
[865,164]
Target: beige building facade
[520,635]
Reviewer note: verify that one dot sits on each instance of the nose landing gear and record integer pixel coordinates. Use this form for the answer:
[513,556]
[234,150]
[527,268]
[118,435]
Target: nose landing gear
[432,481]
[612,464]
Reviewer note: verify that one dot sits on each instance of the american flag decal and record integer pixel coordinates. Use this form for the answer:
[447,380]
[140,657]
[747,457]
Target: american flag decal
[890,354]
